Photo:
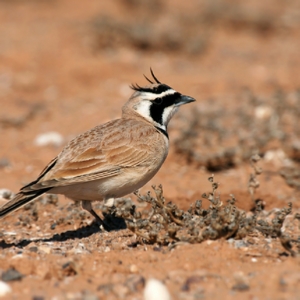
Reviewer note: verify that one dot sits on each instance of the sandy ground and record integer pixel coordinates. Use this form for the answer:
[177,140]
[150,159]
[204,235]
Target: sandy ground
[66,66]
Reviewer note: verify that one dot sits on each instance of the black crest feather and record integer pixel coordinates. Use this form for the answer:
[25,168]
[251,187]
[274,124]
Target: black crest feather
[156,80]
[138,88]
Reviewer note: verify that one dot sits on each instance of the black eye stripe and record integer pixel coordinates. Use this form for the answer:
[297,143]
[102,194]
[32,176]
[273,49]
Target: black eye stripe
[170,99]
[156,111]
[158,101]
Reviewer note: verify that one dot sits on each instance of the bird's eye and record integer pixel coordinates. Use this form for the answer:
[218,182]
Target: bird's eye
[158,101]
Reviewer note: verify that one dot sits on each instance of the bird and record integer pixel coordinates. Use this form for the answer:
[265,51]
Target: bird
[113,159]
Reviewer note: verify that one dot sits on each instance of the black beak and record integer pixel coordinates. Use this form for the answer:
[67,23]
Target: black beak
[184,100]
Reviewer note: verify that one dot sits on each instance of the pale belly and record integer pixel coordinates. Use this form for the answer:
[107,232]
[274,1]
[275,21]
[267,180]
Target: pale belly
[112,187]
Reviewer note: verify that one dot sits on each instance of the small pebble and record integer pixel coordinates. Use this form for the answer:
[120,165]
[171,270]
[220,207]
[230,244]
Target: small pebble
[49,138]
[240,244]
[133,268]
[4,288]
[6,194]
[155,289]
[38,298]
[4,162]
[241,287]
[11,275]
[33,249]
[53,226]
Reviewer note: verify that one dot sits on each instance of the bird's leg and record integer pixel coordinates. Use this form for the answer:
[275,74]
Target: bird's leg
[87,205]
[110,222]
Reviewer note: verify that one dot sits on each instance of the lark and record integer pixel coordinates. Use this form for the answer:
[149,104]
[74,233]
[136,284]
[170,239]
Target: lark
[113,159]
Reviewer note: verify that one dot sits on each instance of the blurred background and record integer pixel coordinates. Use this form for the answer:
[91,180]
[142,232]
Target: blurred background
[66,66]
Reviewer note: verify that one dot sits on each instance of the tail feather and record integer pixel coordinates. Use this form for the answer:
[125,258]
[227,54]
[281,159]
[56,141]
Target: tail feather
[27,193]
[19,200]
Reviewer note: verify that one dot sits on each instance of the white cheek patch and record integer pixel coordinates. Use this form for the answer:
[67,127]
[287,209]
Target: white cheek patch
[143,108]
[168,114]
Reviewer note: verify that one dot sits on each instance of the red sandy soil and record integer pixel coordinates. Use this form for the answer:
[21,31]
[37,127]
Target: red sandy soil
[61,71]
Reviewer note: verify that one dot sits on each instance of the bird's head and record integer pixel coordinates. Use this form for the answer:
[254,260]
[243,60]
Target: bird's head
[156,102]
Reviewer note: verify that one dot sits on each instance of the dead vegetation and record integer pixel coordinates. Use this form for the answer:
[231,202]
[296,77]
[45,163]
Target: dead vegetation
[166,225]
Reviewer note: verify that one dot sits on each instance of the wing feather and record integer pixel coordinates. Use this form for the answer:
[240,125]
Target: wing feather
[106,152]
[129,156]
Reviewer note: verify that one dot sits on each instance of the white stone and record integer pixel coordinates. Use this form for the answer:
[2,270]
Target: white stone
[6,194]
[4,289]
[155,289]
[49,138]
[263,112]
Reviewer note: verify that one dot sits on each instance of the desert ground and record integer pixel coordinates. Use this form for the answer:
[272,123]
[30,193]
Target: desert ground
[232,229]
